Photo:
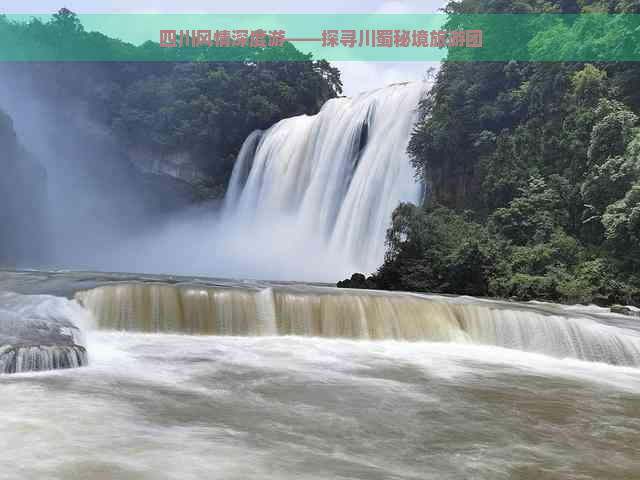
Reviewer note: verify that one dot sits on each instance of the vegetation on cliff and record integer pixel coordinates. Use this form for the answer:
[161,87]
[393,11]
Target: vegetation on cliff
[204,109]
[533,174]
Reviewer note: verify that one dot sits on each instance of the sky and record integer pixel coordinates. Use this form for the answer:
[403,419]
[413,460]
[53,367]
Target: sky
[356,76]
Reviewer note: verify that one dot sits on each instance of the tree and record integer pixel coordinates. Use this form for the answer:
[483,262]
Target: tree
[535,166]
[622,225]
[589,84]
[612,133]
[531,217]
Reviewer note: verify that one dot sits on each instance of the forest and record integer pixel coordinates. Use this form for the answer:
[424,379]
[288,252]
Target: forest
[180,104]
[532,172]
[123,133]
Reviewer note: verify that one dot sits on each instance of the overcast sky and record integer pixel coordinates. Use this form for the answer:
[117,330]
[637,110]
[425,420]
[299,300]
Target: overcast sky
[356,76]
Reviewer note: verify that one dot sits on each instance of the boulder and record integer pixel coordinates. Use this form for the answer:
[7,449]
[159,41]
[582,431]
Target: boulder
[33,338]
[623,310]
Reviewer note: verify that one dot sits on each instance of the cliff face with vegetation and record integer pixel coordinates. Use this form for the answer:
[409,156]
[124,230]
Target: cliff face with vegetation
[533,172]
[176,118]
[22,196]
[126,143]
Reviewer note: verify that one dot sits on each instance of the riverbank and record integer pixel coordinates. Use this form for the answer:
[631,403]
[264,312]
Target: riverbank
[435,249]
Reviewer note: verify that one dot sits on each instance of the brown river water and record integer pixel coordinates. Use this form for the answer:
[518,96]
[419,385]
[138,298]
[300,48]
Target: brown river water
[199,378]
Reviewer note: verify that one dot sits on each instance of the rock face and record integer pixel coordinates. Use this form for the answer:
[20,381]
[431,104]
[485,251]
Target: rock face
[177,165]
[60,175]
[22,198]
[35,335]
[454,185]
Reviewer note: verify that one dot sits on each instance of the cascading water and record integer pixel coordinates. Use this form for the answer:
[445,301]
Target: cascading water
[324,312]
[241,169]
[332,179]
[259,380]
[41,332]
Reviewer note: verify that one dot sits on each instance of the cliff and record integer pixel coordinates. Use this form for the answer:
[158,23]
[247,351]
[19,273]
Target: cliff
[22,197]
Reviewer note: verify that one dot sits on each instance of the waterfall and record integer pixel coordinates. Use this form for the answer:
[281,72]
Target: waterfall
[325,312]
[333,179]
[241,169]
[41,332]
[17,359]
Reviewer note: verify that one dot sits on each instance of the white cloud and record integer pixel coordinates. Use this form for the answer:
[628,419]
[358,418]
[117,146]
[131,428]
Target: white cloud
[393,7]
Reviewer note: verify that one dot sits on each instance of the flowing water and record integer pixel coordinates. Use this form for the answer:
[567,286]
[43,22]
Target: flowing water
[40,332]
[197,378]
[200,378]
[325,186]
[332,313]
[309,199]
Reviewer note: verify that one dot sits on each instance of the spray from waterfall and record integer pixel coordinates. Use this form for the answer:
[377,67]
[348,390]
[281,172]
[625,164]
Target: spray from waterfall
[310,199]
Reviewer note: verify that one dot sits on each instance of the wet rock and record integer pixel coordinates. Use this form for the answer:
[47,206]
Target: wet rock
[31,358]
[623,310]
[33,338]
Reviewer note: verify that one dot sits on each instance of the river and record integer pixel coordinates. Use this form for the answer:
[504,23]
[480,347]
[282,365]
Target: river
[158,402]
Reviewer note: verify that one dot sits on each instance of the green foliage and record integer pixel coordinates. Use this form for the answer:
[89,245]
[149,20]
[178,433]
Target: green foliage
[536,166]
[63,38]
[205,108]
[622,225]
[589,84]
[358,280]
[209,108]
[531,216]
[612,134]
[436,249]
[605,182]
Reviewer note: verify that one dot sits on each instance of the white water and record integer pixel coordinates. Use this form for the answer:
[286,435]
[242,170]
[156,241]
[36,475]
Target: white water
[310,199]
[41,332]
[272,405]
[239,408]
[335,313]
[334,179]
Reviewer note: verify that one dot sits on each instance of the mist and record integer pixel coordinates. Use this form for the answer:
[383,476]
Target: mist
[310,199]
[95,215]
[94,198]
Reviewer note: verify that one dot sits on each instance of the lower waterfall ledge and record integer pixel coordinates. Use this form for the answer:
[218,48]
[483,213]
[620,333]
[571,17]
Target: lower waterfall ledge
[40,332]
[34,358]
[365,315]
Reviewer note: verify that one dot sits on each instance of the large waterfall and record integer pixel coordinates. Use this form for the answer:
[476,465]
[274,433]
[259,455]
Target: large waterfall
[326,185]
[364,315]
